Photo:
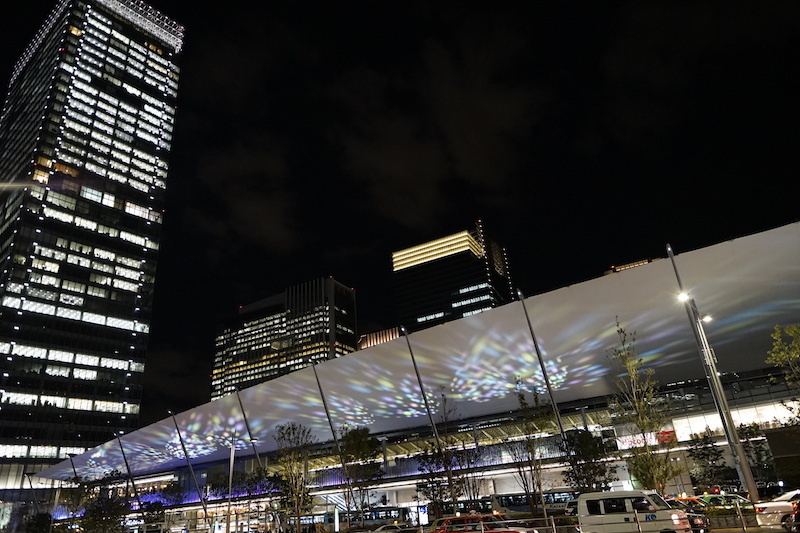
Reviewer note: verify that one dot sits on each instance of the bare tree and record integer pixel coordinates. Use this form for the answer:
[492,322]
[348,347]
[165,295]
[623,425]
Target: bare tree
[442,480]
[294,442]
[526,451]
[359,450]
[645,415]
[468,457]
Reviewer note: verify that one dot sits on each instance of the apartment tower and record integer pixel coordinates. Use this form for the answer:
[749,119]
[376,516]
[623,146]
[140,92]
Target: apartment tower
[303,325]
[85,134]
[450,278]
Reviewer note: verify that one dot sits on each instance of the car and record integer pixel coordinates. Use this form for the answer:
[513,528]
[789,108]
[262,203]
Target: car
[792,523]
[726,501]
[773,491]
[776,511]
[629,510]
[479,522]
[571,508]
[697,518]
[719,503]
[393,527]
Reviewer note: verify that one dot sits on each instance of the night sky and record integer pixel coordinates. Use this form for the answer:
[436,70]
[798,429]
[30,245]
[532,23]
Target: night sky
[315,138]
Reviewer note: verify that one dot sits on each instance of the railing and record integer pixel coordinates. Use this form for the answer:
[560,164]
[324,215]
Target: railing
[551,524]
[635,521]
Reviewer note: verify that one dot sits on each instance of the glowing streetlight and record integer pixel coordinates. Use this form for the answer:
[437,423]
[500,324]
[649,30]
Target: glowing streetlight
[720,400]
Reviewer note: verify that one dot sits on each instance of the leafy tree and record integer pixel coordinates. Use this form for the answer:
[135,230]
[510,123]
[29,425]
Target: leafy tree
[588,468]
[105,513]
[294,444]
[172,493]
[710,467]
[38,523]
[153,513]
[359,450]
[434,484]
[259,481]
[645,416]
[757,451]
[218,482]
[785,353]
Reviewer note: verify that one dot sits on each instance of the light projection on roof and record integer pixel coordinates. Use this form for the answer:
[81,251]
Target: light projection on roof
[748,285]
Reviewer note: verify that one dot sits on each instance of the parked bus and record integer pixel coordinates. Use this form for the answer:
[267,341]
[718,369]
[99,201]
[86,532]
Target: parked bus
[377,516]
[479,506]
[555,501]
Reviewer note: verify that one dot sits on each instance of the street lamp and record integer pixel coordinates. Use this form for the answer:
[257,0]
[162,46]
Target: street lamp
[720,400]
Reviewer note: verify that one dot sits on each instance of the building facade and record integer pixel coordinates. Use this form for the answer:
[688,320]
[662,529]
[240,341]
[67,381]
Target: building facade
[450,278]
[305,324]
[85,134]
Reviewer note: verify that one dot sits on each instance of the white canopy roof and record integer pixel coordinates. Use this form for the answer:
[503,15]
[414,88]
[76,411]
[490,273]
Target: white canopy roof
[748,285]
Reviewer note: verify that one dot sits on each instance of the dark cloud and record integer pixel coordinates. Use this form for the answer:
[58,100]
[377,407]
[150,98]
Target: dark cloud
[316,138]
[177,379]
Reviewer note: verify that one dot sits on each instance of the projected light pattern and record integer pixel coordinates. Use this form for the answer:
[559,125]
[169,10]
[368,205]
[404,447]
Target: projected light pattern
[747,284]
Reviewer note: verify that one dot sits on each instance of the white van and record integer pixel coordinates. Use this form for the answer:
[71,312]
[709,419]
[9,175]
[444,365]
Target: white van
[629,511]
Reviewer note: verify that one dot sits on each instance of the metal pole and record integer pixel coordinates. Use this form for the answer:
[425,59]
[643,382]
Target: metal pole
[556,411]
[422,391]
[191,471]
[74,470]
[720,400]
[230,483]
[55,506]
[335,441]
[439,448]
[130,477]
[249,433]
[33,492]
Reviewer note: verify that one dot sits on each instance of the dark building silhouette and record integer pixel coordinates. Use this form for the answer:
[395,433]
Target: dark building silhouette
[449,278]
[305,324]
[85,134]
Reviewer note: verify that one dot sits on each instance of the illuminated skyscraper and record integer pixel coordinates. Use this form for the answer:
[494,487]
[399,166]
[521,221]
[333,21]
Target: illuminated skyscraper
[85,134]
[310,322]
[450,278]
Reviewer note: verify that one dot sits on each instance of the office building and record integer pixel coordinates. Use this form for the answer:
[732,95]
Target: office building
[305,324]
[368,340]
[449,278]
[85,134]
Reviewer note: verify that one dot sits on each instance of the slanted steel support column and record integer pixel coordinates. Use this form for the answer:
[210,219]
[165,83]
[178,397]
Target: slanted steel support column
[249,433]
[553,403]
[191,471]
[130,476]
[335,440]
[439,448]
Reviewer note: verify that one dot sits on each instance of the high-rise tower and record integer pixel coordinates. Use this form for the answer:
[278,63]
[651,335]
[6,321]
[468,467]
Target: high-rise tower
[304,324]
[85,134]
[450,278]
